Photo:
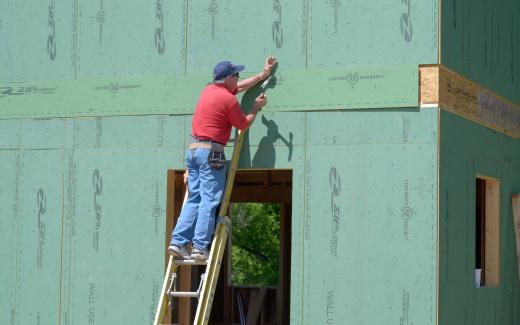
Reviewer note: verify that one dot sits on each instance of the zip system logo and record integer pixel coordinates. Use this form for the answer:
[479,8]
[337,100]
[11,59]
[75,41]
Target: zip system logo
[18,91]
[100,18]
[51,23]
[41,203]
[277,24]
[213,11]
[406,22]
[335,4]
[159,31]
[97,183]
[335,186]
[406,211]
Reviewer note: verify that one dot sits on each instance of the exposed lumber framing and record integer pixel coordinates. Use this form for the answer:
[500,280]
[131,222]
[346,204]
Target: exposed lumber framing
[255,305]
[175,199]
[452,92]
[429,84]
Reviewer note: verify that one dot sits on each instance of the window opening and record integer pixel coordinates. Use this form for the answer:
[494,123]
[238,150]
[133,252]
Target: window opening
[487,235]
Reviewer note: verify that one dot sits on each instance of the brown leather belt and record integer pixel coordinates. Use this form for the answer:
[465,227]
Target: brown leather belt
[207,145]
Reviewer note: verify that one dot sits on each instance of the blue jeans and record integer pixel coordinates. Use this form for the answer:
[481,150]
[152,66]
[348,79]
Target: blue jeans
[196,222]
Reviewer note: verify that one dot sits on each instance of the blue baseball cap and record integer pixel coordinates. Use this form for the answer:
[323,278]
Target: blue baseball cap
[225,69]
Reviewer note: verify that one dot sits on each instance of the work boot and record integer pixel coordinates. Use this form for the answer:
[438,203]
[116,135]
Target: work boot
[199,254]
[180,252]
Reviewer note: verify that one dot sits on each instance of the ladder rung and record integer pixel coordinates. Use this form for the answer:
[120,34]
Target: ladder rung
[184,294]
[190,262]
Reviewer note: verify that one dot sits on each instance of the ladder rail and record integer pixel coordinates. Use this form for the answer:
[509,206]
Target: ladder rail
[160,314]
[219,241]
[162,307]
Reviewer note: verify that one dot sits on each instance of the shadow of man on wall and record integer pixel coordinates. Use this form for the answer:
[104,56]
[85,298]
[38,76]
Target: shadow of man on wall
[265,156]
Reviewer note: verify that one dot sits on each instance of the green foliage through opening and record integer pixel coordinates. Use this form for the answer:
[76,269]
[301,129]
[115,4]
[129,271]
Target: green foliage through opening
[255,244]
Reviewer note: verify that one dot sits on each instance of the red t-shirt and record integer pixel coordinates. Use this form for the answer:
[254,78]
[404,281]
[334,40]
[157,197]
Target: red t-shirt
[216,112]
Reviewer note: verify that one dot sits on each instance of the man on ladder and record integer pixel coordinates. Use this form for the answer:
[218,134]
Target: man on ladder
[216,112]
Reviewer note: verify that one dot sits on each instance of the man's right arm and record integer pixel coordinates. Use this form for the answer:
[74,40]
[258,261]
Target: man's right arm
[241,122]
[260,102]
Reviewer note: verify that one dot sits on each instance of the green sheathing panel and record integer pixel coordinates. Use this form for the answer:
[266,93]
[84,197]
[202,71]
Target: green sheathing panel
[361,87]
[370,32]
[115,224]
[353,88]
[80,39]
[115,216]
[9,134]
[481,40]
[10,229]
[467,149]
[31,218]
[39,45]
[83,217]
[367,252]
[39,252]
[130,38]
[311,33]
[65,40]
[246,32]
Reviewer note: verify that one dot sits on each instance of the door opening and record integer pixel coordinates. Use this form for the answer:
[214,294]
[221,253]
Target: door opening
[261,201]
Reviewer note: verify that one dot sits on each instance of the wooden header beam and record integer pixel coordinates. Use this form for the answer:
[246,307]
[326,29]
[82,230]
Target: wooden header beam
[451,91]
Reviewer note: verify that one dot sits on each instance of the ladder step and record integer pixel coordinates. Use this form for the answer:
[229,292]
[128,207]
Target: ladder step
[183,294]
[190,262]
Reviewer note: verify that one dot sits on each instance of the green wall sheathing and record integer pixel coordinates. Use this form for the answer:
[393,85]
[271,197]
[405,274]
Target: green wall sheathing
[377,253]
[9,234]
[83,217]
[63,40]
[129,38]
[354,88]
[368,253]
[367,32]
[106,48]
[246,32]
[481,40]
[115,228]
[31,235]
[9,134]
[467,149]
[36,40]
[375,259]
[311,33]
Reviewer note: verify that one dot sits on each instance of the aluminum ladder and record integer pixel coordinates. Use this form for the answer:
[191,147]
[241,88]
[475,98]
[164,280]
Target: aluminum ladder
[208,284]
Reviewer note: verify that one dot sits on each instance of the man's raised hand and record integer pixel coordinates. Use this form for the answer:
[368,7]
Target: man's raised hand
[270,62]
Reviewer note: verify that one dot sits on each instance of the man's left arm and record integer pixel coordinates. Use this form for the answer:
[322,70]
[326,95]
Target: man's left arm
[245,84]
